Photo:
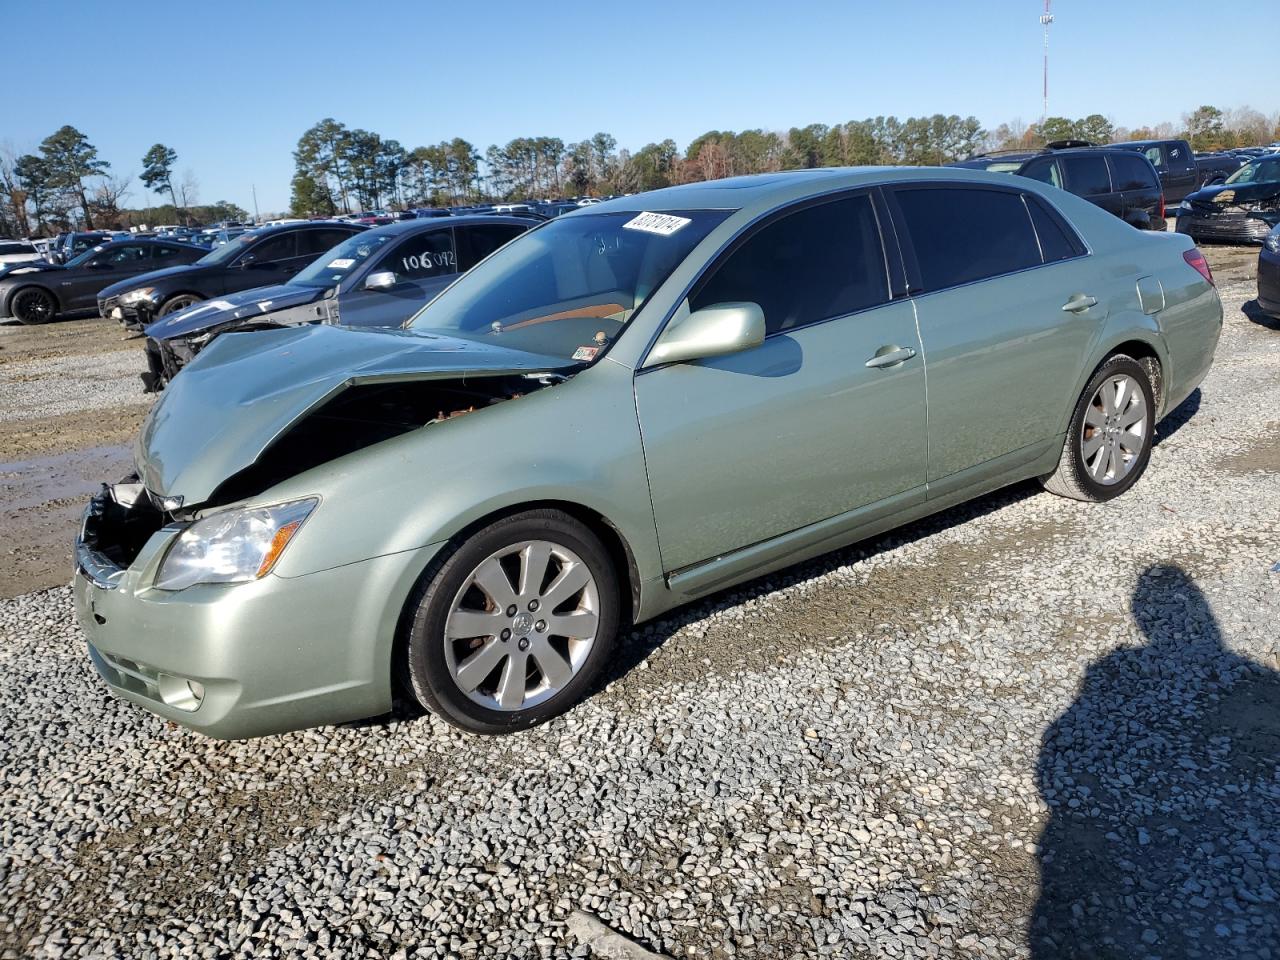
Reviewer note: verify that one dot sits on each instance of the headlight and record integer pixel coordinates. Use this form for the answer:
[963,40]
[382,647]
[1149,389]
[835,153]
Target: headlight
[234,546]
[1273,240]
[137,296]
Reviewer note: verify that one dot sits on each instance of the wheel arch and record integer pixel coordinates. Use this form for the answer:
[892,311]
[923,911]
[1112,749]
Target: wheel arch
[32,285]
[181,293]
[615,544]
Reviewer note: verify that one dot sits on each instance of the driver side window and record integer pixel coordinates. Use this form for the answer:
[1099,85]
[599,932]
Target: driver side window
[272,249]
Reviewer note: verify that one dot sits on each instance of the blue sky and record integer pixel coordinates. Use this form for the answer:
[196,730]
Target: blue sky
[232,84]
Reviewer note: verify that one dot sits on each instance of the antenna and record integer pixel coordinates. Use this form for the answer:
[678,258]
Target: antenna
[1046,18]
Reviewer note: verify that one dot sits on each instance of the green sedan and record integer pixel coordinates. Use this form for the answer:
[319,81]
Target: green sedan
[624,409]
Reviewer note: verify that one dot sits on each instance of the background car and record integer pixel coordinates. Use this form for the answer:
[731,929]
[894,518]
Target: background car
[1213,168]
[68,246]
[374,279]
[1269,274]
[256,258]
[1242,209]
[42,291]
[621,411]
[18,251]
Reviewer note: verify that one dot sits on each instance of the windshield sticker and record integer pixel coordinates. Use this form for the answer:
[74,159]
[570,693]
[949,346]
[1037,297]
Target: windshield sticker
[663,224]
[341,263]
[585,353]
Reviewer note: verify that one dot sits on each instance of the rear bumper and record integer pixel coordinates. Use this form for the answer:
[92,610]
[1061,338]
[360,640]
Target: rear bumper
[1269,283]
[1226,227]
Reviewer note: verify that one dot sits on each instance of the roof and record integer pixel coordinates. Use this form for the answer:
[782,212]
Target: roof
[761,192]
[432,223]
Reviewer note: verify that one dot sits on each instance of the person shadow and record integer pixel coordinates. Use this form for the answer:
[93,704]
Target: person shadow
[1163,788]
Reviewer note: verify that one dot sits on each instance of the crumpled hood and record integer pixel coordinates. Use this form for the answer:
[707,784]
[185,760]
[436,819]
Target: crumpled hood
[1242,194]
[246,305]
[246,389]
[143,279]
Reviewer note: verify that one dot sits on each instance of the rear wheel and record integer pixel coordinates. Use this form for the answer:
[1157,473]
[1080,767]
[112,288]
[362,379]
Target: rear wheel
[1108,442]
[33,305]
[512,626]
[174,304]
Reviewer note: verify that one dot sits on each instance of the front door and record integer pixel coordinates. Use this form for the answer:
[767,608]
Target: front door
[743,448]
[423,264]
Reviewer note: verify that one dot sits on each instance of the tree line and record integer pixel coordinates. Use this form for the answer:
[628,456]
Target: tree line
[65,185]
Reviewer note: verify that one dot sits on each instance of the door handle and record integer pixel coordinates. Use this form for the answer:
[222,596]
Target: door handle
[891,358]
[1079,303]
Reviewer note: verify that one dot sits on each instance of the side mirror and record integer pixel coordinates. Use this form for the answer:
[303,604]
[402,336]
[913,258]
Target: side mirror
[247,261]
[382,280]
[713,331]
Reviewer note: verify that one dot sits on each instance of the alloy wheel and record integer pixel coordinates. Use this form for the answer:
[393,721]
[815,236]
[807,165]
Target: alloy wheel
[522,625]
[33,306]
[1114,431]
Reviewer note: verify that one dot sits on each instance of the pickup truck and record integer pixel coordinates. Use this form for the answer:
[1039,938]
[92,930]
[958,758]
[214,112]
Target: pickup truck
[1174,162]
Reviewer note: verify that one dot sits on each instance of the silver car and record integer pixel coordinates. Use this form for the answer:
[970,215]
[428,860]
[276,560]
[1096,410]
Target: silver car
[628,407]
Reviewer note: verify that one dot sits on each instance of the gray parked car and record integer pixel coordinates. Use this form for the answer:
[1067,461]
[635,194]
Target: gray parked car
[623,409]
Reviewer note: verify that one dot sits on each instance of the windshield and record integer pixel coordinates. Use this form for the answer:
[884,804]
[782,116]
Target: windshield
[337,262]
[567,289]
[83,257]
[227,251]
[1257,171]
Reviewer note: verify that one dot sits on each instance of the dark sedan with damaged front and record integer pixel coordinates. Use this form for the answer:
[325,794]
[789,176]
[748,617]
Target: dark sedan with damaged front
[1241,210]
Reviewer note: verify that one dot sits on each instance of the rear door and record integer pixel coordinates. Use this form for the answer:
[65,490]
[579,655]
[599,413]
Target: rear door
[423,264]
[744,448]
[989,291]
[1088,176]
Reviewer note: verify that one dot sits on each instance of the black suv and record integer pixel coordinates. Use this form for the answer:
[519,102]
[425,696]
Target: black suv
[67,246]
[1174,162]
[1118,181]
[258,258]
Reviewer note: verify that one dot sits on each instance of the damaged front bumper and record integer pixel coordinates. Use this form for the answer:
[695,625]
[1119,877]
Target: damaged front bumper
[234,660]
[1229,226]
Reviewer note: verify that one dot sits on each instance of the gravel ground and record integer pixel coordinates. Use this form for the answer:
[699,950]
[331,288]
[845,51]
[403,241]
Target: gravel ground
[1026,727]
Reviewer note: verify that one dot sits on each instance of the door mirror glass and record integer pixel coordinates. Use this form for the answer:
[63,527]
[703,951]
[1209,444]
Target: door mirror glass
[381,280]
[713,331]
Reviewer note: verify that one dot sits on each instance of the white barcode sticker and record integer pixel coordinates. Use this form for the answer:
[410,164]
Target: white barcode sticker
[341,263]
[663,224]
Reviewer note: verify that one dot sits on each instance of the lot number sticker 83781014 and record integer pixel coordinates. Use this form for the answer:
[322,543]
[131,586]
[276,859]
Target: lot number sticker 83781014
[663,224]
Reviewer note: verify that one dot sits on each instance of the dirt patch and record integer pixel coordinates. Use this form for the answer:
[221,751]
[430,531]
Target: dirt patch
[43,498]
[1263,454]
[64,433]
[66,338]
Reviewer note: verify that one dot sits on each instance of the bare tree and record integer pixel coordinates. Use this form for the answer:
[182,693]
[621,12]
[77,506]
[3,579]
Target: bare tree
[188,190]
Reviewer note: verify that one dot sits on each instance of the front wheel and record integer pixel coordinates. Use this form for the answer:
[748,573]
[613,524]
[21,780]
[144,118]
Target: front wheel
[512,626]
[33,305]
[174,304]
[1108,442]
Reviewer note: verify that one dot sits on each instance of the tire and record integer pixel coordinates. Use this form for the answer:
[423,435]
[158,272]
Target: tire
[31,305]
[1108,442]
[178,302]
[473,681]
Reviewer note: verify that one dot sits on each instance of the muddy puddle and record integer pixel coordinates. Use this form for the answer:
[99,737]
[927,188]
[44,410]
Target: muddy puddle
[41,500]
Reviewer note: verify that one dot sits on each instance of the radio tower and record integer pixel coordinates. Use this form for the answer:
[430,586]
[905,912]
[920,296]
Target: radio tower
[1046,18]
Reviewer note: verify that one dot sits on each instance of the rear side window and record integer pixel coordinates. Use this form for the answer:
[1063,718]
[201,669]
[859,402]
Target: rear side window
[1057,240]
[476,243]
[821,262]
[1087,176]
[1131,173]
[962,234]
[1156,156]
[423,255]
[1046,171]
[312,243]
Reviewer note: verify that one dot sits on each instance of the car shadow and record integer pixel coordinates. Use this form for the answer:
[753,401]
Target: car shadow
[1161,781]
[1254,313]
[1177,418]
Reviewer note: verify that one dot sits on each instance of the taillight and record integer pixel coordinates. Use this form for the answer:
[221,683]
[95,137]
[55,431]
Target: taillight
[1161,204]
[1196,260]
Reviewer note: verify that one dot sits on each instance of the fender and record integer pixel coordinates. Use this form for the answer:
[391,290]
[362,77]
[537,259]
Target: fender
[1122,327]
